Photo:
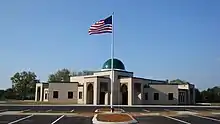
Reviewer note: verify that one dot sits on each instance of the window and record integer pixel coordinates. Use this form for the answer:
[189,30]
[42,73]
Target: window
[146,96]
[70,95]
[55,94]
[156,96]
[80,95]
[170,96]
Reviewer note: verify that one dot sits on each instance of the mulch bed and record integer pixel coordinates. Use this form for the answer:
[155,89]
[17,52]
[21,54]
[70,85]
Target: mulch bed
[114,117]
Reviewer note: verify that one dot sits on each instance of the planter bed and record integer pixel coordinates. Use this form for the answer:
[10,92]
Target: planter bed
[120,118]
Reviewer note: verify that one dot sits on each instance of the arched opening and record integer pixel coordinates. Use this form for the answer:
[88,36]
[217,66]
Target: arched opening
[103,90]
[124,92]
[90,94]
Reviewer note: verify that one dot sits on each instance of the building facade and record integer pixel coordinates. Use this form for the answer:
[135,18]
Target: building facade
[127,89]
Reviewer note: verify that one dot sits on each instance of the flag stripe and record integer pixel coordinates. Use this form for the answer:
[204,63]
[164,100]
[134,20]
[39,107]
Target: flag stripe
[101,32]
[102,26]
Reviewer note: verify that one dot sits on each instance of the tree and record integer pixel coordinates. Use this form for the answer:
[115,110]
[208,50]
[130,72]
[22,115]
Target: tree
[23,83]
[9,94]
[2,92]
[60,75]
[178,81]
[63,75]
[198,95]
[211,95]
[83,73]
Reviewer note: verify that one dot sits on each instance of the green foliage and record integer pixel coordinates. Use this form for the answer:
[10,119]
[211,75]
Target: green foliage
[83,73]
[23,83]
[178,81]
[63,75]
[10,94]
[60,75]
[211,95]
[2,93]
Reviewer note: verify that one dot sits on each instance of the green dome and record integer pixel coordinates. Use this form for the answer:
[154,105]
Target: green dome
[117,64]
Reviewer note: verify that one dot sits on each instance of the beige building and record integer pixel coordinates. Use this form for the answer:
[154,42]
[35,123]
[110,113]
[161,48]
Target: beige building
[128,89]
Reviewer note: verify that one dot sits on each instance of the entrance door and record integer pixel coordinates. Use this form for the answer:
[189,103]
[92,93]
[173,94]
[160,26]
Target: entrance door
[182,96]
[90,94]
[102,98]
[124,92]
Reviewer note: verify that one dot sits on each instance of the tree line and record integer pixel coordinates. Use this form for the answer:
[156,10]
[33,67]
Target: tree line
[23,85]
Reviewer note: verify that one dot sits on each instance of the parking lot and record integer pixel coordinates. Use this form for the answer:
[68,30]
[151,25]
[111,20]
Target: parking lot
[67,119]
[68,115]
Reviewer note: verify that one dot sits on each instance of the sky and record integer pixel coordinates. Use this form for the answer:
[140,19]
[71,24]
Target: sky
[156,39]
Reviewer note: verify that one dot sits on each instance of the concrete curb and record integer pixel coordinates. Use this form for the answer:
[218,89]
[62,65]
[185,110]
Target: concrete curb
[159,106]
[151,114]
[95,121]
[216,113]
[121,111]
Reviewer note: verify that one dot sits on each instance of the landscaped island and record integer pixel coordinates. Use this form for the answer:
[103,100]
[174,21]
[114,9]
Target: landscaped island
[105,118]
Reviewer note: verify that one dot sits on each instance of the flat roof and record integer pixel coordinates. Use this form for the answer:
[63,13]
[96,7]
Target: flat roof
[144,79]
[97,77]
[62,82]
[114,70]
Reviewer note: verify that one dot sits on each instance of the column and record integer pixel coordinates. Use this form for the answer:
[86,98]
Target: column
[95,93]
[36,94]
[85,93]
[106,98]
[130,93]
[41,93]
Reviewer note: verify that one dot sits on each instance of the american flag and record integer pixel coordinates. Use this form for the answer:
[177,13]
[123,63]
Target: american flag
[102,26]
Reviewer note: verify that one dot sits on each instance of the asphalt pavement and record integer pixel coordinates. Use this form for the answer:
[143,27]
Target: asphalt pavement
[93,108]
[53,119]
[83,119]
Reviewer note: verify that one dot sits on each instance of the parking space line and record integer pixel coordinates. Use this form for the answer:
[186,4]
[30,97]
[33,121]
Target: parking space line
[177,119]
[3,110]
[57,119]
[26,110]
[146,110]
[210,109]
[72,110]
[49,110]
[167,110]
[21,119]
[207,118]
[191,110]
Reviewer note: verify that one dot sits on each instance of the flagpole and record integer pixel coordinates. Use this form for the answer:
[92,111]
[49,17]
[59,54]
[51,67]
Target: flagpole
[112,64]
